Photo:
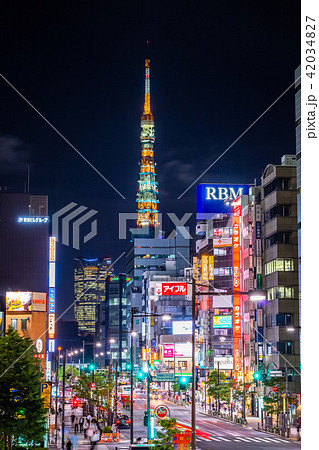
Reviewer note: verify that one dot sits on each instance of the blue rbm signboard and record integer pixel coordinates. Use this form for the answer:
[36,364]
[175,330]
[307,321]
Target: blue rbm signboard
[215,199]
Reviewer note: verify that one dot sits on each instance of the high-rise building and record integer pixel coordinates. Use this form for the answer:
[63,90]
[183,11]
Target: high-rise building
[280,315]
[24,242]
[113,330]
[147,191]
[298,162]
[89,290]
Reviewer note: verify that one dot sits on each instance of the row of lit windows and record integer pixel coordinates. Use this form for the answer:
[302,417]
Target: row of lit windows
[14,324]
[280,292]
[279,265]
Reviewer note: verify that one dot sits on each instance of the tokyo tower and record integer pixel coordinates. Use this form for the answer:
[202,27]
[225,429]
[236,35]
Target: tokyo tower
[147,191]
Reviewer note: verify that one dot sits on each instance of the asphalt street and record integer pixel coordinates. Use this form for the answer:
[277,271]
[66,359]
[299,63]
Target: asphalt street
[211,432]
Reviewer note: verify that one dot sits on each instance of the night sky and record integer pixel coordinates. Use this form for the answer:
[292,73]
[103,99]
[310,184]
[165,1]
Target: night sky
[215,67]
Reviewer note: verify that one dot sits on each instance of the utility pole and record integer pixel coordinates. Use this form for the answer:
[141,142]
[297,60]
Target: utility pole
[131,359]
[218,404]
[286,400]
[148,403]
[193,366]
[63,399]
[56,397]
[244,388]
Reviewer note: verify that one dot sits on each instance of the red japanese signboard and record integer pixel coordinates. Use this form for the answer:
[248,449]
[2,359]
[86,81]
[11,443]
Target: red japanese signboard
[171,289]
[237,286]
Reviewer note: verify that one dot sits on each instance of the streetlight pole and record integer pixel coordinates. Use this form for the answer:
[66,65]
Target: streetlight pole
[63,399]
[193,366]
[131,376]
[56,396]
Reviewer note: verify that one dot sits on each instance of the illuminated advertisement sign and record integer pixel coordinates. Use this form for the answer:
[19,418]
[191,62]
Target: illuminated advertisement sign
[51,300]
[205,268]
[222,242]
[171,288]
[52,247]
[18,301]
[223,362]
[222,321]
[52,274]
[51,326]
[211,267]
[39,345]
[237,286]
[33,219]
[215,199]
[181,350]
[182,327]
[51,345]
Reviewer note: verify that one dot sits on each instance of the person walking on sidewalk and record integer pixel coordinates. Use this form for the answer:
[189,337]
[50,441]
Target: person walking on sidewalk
[72,418]
[89,418]
[298,425]
[74,440]
[76,425]
[85,428]
[68,445]
[81,422]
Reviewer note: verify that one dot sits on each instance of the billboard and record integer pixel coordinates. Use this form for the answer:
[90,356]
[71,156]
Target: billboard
[39,301]
[237,288]
[222,321]
[51,326]
[215,199]
[18,301]
[183,350]
[182,327]
[171,288]
[225,362]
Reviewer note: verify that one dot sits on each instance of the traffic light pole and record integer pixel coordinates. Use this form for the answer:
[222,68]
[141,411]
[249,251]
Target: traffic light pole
[131,360]
[148,404]
[63,399]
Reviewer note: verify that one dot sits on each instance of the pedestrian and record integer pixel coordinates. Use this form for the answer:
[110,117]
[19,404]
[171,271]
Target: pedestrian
[89,432]
[81,422]
[74,440]
[69,444]
[94,439]
[89,418]
[60,410]
[72,418]
[76,425]
[85,428]
[298,425]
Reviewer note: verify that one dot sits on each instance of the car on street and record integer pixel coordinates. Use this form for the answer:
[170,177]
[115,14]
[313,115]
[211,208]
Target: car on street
[123,421]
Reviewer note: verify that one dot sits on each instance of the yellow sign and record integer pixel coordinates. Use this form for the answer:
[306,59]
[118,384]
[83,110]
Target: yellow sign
[211,267]
[144,354]
[205,268]
[46,394]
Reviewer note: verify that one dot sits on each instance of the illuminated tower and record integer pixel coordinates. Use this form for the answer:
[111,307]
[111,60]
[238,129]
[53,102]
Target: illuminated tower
[147,192]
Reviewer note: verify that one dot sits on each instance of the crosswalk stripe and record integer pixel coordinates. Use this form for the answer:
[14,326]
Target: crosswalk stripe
[242,439]
[214,439]
[224,439]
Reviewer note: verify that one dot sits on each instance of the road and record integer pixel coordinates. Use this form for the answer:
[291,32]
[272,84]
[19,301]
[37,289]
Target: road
[211,432]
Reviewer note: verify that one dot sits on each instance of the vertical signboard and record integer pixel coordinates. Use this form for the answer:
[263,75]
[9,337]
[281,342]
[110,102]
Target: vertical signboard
[237,287]
[211,267]
[258,246]
[205,268]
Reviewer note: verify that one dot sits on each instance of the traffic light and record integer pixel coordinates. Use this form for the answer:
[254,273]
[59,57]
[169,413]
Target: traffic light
[257,377]
[68,376]
[75,403]
[140,375]
[145,419]
[183,382]
[91,367]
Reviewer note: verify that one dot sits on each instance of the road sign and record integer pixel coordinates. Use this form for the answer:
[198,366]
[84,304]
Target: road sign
[165,377]
[161,411]
[275,373]
[46,394]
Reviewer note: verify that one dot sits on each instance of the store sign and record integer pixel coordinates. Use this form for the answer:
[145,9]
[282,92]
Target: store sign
[33,219]
[215,199]
[258,230]
[51,345]
[171,288]
[39,301]
[237,287]
[182,327]
[52,247]
[225,362]
[222,242]
[51,326]
[39,345]
[51,300]
[46,392]
[18,301]
[222,321]
[52,274]
[211,267]
[205,268]
[168,351]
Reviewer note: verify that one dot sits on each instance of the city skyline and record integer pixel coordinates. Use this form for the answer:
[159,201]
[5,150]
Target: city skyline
[91,107]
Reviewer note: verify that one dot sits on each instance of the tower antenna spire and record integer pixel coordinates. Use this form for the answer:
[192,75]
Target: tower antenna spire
[147,193]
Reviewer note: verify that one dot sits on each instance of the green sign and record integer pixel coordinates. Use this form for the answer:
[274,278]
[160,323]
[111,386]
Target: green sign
[222,321]
[165,377]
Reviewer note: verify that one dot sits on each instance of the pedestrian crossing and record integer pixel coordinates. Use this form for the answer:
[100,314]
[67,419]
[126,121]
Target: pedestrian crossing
[250,439]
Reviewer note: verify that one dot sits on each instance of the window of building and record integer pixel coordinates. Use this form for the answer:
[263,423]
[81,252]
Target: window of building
[281,184]
[23,324]
[269,349]
[280,292]
[277,211]
[182,364]
[279,265]
[278,238]
[286,347]
[14,324]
